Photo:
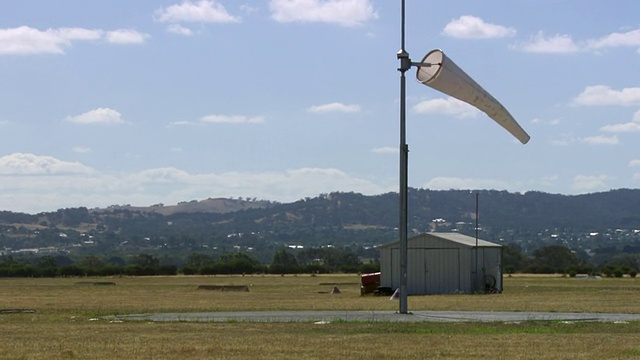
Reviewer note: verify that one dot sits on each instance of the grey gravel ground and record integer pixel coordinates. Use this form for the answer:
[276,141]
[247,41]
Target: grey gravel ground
[376,316]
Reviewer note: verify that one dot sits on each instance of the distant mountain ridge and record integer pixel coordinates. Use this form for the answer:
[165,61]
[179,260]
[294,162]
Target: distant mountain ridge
[210,205]
[590,221]
[614,208]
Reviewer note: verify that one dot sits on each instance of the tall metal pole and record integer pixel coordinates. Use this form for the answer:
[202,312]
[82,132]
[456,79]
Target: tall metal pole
[405,64]
[477,285]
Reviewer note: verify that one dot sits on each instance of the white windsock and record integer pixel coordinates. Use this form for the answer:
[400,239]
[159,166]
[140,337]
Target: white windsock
[441,73]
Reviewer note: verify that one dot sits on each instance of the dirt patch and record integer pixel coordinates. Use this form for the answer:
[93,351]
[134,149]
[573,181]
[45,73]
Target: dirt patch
[224,287]
[99,283]
[338,283]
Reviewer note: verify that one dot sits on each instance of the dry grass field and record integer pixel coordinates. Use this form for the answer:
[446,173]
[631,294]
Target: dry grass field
[69,324]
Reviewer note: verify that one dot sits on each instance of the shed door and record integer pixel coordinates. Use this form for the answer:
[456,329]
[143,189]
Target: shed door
[442,271]
[429,271]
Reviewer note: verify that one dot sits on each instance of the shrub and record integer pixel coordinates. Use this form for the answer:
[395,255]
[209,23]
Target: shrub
[369,268]
[618,272]
[111,270]
[189,270]
[71,270]
[607,270]
[137,270]
[314,269]
[168,270]
[46,271]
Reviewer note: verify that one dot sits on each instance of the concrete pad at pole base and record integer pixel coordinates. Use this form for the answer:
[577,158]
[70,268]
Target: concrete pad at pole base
[374,316]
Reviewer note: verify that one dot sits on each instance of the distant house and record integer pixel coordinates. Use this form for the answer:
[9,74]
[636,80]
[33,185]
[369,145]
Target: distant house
[444,263]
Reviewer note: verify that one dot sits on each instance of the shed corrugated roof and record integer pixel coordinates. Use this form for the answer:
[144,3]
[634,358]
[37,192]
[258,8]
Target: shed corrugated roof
[454,237]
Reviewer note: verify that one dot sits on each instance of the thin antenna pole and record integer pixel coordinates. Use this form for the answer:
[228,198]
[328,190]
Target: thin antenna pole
[405,64]
[402,28]
[477,216]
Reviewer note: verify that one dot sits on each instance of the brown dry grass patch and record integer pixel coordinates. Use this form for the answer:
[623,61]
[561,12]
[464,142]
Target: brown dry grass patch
[68,322]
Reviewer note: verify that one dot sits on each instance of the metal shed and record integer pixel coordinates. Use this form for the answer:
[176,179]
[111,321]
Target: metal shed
[444,263]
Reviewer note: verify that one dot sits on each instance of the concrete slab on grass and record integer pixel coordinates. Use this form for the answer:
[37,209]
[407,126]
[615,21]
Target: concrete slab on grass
[376,316]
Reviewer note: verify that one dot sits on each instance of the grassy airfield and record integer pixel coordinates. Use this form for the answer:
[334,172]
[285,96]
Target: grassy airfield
[68,320]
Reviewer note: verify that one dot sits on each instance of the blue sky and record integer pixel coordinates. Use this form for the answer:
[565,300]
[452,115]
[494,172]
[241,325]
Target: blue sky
[162,101]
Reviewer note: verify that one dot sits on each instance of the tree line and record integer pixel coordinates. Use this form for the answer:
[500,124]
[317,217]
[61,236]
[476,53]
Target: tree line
[558,259]
[324,260]
[546,260]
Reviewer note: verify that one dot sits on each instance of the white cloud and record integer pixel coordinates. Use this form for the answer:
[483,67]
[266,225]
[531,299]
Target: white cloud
[341,12]
[181,123]
[564,140]
[557,44]
[81,149]
[386,150]
[448,183]
[221,119]
[203,11]
[21,164]
[41,183]
[601,140]
[547,181]
[77,33]
[126,36]
[471,27]
[552,122]
[448,106]
[622,128]
[97,116]
[334,107]
[634,163]
[25,40]
[627,39]
[568,139]
[589,183]
[248,9]
[232,119]
[180,30]
[636,116]
[560,44]
[598,95]
[162,175]
[295,184]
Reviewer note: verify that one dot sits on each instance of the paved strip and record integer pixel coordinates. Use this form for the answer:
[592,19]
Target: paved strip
[375,316]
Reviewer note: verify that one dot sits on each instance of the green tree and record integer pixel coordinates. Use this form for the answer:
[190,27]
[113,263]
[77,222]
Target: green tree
[91,262]
[284,263]
[143,264]
[71,270]
[331,259]
[627,261]
[197,260]
[145,261]
[46,267]
[512,258]
[236,263]
[553,258]
[116,260]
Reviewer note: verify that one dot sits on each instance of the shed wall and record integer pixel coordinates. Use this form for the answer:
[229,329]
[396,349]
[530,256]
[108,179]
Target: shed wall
[439,266]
